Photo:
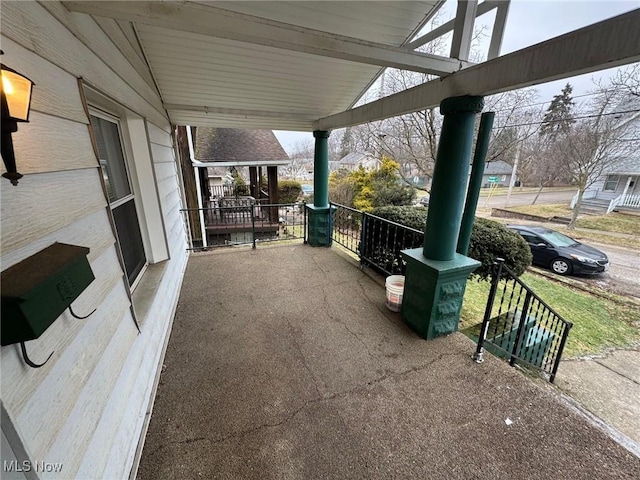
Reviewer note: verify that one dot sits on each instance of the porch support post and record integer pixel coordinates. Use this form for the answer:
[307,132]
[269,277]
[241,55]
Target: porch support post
[254,182]
[475,181]
[272,185]
[320,214]
[436,276]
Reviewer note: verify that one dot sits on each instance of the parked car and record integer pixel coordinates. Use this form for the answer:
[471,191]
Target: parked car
[560,253]
[307,189]
[424,201]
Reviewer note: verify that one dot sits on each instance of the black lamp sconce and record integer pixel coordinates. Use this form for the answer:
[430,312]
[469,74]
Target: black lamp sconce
[15,90]
[36,291]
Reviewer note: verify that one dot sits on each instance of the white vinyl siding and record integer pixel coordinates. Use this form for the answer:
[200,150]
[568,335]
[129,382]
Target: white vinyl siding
[87,406]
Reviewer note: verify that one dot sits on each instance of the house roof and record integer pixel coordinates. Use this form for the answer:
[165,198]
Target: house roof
[498,168]
[238,147]
[355,157]
[625,165]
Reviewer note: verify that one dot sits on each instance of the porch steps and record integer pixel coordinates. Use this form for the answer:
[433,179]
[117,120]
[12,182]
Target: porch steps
[594,207]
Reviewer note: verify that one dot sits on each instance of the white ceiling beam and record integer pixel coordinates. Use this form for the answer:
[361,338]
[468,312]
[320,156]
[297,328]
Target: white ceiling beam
[236,111]
[463,29]
[497,34]
[607,44]
[445,28]
[217,22]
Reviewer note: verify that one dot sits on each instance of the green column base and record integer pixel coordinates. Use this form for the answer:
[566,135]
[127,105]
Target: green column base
[320,224]
[433,292]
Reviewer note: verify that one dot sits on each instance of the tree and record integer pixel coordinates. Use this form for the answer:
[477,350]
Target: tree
[597,141]
[627,80]
[558,118]
[365,190]
[346,143]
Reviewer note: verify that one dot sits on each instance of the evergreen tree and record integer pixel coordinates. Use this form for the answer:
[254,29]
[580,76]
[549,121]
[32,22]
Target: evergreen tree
[346,143]
[557,118]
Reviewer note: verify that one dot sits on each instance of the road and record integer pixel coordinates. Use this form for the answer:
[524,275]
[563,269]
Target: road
[498,201]
[623,276]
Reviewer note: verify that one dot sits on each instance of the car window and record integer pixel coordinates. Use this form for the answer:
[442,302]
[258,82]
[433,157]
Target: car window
[558,239]
[531,238]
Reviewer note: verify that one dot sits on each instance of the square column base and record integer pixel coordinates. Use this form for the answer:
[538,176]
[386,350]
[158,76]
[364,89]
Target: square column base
[433,292]
[320,225]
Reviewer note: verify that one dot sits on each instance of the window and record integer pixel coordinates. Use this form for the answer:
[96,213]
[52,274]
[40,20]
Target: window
[121,196]
[530,238]
[611,185]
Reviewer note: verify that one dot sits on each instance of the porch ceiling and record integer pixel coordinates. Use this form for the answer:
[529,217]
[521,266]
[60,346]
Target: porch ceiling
[302,65]
[270,65]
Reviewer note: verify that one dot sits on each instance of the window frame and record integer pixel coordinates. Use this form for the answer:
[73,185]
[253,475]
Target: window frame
[608,180]
[99,112]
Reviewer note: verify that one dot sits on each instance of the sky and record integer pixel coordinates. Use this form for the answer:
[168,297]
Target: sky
[530,22]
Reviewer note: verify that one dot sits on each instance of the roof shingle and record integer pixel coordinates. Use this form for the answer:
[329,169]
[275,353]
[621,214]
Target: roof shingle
[238,145]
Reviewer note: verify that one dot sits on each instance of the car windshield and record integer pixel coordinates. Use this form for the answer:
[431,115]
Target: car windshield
[558,239]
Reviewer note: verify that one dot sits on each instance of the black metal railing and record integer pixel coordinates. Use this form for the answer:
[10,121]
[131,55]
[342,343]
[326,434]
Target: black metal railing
[521,327]
[375,240]
[246,223]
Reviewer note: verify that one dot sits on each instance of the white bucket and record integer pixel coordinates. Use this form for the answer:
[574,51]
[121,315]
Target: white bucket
[395,289]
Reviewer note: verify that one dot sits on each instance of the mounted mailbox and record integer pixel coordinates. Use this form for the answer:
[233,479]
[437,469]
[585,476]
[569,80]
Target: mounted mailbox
[36,291]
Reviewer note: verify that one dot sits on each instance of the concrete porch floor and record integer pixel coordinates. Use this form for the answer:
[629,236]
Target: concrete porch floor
[284,362]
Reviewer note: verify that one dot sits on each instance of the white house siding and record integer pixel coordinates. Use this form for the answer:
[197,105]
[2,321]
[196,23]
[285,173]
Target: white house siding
[87,407]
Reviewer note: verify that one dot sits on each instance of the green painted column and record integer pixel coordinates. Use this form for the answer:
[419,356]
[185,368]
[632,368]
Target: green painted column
[320,215]
[450,177]
[436,276]
[321,169]
[475,181]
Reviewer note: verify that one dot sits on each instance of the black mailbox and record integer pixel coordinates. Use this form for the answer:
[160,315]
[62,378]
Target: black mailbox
[38,289]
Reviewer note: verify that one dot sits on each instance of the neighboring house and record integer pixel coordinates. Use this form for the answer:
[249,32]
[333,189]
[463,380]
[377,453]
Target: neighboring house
[100,172]
[617,188]
[234,148]
[497,170]
[355,160]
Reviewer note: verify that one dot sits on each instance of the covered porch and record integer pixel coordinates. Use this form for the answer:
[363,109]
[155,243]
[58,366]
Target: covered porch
[292,367]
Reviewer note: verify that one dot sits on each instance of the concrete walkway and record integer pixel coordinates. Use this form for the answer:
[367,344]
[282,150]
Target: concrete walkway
[609,387]
[284,363]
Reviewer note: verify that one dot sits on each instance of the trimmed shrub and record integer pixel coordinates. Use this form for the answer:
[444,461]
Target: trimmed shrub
[289,191]
[489,240]
[409,216]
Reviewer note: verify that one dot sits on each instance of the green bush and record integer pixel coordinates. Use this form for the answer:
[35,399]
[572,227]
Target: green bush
[409,216]
[289,191]
[489,240]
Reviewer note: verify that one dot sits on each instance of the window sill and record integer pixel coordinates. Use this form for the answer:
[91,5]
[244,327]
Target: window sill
[146,289]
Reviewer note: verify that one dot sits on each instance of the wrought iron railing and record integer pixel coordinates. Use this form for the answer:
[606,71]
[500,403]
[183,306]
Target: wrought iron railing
[247,224]
[375,240]
[519,326]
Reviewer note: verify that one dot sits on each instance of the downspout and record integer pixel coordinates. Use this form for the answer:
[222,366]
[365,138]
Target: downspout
[192,157]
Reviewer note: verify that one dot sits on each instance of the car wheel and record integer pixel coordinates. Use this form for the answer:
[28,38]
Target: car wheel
[561,266]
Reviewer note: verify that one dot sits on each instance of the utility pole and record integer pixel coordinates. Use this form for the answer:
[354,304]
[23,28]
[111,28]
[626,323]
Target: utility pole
[512,182]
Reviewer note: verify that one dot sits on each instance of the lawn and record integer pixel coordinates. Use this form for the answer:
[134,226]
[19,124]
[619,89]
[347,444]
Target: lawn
[592,228]
[547,210]
[613,222]
[598,323]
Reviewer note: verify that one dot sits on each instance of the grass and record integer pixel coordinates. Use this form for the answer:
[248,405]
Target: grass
[592,227]
[614,222]
[598,323]
[587,236]
[547,210]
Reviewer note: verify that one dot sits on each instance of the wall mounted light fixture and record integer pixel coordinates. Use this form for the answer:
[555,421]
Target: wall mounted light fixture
[15,90]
